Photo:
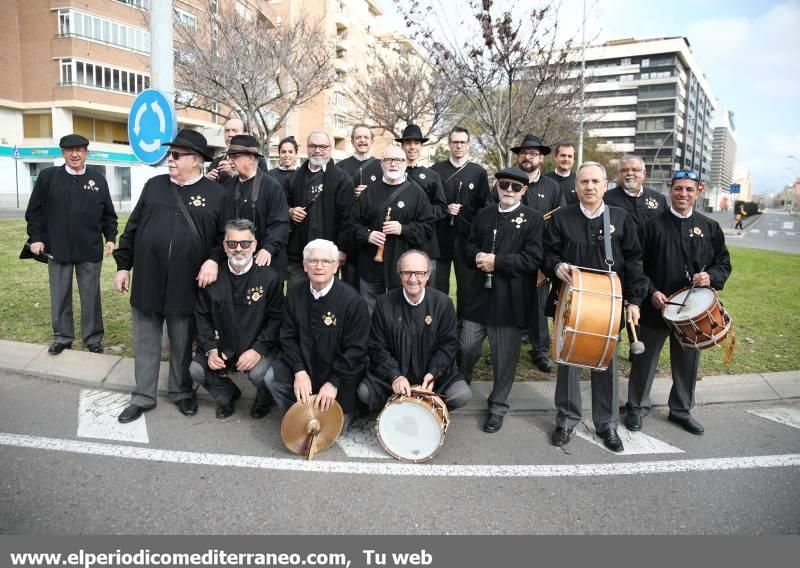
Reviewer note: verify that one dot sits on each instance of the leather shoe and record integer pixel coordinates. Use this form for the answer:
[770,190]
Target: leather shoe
[187,406]
[689,424]
[611,440]
[132,412]
[56,348]
[544,364]
[225,410]
[94,348]
[560,436]
[493,423]
[633,422]
[261,404]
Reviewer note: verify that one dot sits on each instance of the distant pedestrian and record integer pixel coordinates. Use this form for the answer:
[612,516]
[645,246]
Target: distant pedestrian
[740,217]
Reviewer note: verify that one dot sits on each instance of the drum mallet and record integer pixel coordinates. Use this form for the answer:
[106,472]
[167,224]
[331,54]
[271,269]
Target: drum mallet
[637,347]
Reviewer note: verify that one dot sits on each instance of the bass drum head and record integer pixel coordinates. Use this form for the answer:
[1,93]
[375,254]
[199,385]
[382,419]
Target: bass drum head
[409,431]
[701,300]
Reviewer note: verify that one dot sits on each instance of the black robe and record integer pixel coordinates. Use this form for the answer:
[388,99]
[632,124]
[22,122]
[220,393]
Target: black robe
[410,207]
[328,198]
[327,338]
[572,237]
[269,213]
[567,185]
[431,183]
[283,177]
[71,214]
[412,341]
[237,313]
[468,186]
[363,172]
[543,195]
[673,247]
[648,205]
[518,254]
[223,176]
[159,245]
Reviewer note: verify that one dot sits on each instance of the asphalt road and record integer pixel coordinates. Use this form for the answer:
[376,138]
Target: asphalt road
[87,487]
[772,230]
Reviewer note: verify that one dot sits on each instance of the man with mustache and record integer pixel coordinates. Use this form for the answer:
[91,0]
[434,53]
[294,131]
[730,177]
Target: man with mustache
[641,203]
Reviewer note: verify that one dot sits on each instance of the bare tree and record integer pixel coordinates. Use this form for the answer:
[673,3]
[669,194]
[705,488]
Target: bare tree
[511,70]
[238,59]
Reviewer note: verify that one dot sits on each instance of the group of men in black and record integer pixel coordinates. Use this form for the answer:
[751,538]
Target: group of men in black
[366,245]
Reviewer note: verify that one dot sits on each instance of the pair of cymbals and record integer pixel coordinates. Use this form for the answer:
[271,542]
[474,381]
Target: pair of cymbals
[307,430]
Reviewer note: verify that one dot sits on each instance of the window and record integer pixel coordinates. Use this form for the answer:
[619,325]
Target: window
[625,61]
[66,70]
[645,63]
[142,4]
[185,18]
[37,125]
[102,76]
[75,23]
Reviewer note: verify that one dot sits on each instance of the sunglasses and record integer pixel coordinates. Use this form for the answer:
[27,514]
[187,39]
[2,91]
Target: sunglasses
[177,155]
[684,174]
[515,186]
[244,244]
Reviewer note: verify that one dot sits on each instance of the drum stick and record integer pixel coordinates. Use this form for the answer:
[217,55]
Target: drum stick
[686,299]
[637,347]
[549,214]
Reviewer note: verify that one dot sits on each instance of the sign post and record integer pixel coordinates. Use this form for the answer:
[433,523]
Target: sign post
[16,171]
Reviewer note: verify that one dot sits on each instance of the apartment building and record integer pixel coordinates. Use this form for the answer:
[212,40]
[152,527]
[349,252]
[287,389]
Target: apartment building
[723,161]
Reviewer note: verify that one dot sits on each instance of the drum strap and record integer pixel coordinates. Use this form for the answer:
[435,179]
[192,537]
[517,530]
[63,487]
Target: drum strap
[607,238]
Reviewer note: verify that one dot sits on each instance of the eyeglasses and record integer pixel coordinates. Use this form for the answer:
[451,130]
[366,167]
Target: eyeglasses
[320,147]
[244,244]
[515,186]
[407,274]
[177,155]
[319,261]
[684,174]
[633,170]
[393,160]
[533,154]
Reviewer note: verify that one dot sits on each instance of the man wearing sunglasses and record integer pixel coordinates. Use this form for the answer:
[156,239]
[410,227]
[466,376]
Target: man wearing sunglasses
[167,243]
[413,340]
[575,237]
[238,321]
[505,250]
[681,248]
[222,168]
[641,203]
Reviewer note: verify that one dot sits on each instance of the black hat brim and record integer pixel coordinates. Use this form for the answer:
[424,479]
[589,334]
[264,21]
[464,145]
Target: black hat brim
[545,150]
[184,143]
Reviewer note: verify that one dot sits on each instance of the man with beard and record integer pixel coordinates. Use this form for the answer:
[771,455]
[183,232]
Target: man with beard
[563,174]
[413,340]
[641,203]
[167,242]
[393,216]
[238,321]
[320,203]
[543,195]
[221,168]
[466,187]
[411,142]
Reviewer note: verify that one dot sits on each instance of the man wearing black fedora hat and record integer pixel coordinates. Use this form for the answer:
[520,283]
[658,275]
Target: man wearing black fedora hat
[543,195]
[69,214]
[411,142]
[167,243]
[222,168]
[254,195]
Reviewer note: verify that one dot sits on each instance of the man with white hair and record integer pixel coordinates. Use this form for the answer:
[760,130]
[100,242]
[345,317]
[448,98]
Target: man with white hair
[320,203]
[324,336]
[641,203]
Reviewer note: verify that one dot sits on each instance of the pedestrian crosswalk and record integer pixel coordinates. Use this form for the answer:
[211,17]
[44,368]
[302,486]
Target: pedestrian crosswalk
[635,442]
[97,417]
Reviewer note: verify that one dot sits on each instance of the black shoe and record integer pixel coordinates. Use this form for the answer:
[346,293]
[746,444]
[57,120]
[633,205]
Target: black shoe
[611,440]
[187,406]
[261,404]
[493,423]
[524,337]
[560,436]
[633,422]
[132,412]
[689,424]
[542,362]
[225,410]
[56,348]
[94,348]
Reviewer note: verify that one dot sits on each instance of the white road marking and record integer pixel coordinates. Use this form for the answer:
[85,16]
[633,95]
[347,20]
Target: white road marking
[97,418]
[784,415]
[635,443]
[361,441]
[771,233]
[755,230]
[397,468]
[788,225]
[790,233]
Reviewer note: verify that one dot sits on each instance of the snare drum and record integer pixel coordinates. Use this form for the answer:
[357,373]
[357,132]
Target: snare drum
[412,428]
[703,322]
[588,319]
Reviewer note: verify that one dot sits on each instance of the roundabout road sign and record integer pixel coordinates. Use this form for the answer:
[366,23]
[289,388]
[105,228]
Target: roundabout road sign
[151,122]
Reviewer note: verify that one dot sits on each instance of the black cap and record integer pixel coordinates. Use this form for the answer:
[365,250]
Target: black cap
[531,141]
[73,141]
[192,139]
[244,144]
[412,132]
[515,174]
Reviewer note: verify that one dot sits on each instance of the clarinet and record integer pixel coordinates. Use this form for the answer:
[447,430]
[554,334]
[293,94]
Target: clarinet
[379,255]
[490,275]
[458,193]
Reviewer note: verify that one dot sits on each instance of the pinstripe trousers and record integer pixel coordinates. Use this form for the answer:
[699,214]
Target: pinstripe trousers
[605,394]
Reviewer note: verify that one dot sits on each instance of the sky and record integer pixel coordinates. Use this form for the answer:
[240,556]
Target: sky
[749,51]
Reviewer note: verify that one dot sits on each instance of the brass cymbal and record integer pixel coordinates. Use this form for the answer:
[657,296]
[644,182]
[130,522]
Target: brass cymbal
[307,430]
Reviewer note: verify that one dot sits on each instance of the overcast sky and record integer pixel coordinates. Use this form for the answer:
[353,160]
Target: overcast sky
[748,50]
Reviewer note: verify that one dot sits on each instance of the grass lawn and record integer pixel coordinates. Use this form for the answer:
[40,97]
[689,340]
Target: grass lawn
[759,296]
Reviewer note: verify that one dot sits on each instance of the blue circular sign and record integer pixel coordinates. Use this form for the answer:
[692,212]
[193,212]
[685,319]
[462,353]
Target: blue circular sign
[151,123]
